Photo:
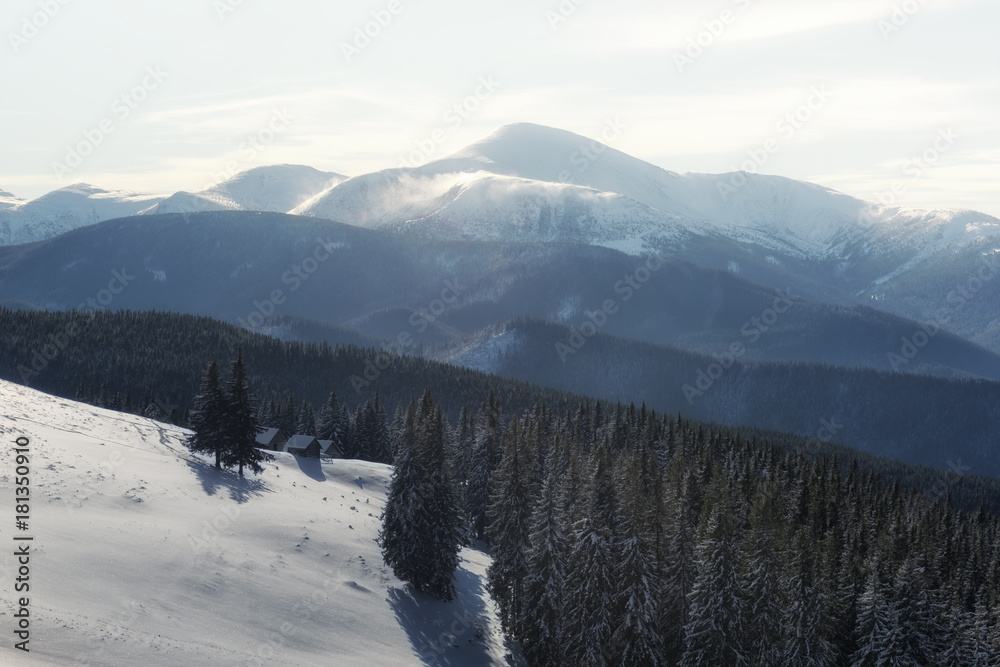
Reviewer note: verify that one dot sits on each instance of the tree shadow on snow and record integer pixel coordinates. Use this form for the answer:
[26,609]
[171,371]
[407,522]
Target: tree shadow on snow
[212,480]
[446,634]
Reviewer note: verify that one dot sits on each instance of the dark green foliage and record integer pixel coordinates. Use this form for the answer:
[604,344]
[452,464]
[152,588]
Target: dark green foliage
[510,513]
[239,423]
[206,415]
[733,553]
[225,419]
[421,530]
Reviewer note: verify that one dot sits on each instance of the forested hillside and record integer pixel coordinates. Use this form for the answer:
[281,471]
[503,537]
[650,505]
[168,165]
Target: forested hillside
[153,363]
[624,538]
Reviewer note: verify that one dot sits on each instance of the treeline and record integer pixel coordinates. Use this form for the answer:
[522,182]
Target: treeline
[919,419]
[152,363]
[625,537]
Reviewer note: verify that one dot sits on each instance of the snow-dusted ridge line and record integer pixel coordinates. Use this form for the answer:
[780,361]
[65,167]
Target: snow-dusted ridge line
[527,182]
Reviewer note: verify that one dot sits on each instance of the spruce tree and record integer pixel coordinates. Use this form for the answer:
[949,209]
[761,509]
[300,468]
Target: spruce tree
[762,590]
[307,420]
[543,625]
[876,624]
[332,422]
[593,582]
[240,423]
[208,415]
[447,534]
[421,532]
[510,513]
[403,514]
[714,633]
[485,459]
[805,642]
[636,640]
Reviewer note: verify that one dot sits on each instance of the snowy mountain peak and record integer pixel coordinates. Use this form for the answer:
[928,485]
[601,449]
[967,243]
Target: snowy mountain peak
[275,188]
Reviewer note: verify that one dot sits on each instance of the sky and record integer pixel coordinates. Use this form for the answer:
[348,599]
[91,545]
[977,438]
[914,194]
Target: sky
[884,100]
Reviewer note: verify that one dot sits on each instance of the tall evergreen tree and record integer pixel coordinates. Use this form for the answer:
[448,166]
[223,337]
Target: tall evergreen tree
[543,628]
[805,643]
[877,626]
[593,582]
[332,422]
[510,513]
[485,459]
[636,640]
[209,414]
[307,420]
[715,632]
[421,530]
[240,422]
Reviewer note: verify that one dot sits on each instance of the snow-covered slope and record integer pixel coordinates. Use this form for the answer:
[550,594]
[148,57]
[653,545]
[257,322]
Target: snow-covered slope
[144,555]
[491,207]
[481,191]
[66,209]
[276,188]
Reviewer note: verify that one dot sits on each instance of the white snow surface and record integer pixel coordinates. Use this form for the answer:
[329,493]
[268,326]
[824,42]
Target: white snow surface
[531,183]
[143,554]
[66,209]
[277,189]
[483,192]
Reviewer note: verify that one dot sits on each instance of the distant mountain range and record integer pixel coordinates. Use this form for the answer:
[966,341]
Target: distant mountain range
[246,267]
[278,188]
[540,255]
[529,183]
